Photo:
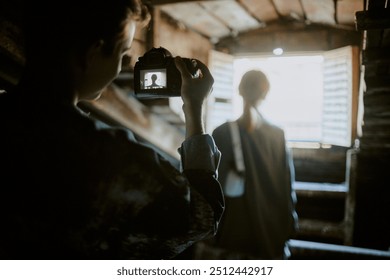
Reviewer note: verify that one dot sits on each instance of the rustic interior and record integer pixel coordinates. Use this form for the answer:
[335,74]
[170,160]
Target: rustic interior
[345,201]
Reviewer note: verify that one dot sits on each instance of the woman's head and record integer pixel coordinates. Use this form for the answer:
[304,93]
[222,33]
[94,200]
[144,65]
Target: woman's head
[80,44]
[73,25]
[254,86]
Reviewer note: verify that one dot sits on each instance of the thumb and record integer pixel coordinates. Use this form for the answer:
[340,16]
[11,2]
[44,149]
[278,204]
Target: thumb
[182,67]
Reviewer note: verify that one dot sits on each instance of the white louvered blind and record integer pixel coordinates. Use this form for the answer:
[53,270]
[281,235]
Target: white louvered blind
[220,105]
[340,96]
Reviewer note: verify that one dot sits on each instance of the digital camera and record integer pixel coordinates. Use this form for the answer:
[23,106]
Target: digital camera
[156,75]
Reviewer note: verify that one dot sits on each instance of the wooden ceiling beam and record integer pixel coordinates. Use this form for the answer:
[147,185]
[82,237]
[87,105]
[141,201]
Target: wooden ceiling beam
[163,2]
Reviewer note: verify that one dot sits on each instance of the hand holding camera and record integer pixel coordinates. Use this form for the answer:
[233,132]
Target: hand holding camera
[157,75]
[194,91]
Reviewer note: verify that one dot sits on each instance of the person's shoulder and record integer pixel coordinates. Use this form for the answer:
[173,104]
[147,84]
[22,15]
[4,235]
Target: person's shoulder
[221,129]
[222,126]
[265,122]
[273,128]
[109,135]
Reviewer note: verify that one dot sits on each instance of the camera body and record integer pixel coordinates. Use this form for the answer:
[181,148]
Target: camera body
[156,75]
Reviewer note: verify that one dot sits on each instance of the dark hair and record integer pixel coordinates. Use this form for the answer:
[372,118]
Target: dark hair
[73,25]
[254,85]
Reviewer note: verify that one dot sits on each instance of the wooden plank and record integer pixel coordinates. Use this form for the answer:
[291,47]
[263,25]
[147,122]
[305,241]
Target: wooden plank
[320,165]
[350,200]
[372,213]
[291,9]
[194,16]
[180,40]
[377,99]
[373,39]
[376,129]
[375,4]
[346,10]
[373,19]
[163,2]
[231,14]
[320,11]
[318,228]
[376,55]
[377,82]
[263,10]
[315,189]
[308,250]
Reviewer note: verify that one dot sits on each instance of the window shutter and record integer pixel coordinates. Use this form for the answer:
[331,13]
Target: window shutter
[220,105]
[339,115]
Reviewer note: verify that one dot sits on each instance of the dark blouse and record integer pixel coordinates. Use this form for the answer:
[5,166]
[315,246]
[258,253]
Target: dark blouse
[71,189]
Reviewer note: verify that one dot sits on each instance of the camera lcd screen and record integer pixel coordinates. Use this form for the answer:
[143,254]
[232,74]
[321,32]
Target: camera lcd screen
[153,78]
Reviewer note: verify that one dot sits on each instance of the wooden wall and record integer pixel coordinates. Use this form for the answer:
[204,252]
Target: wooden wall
[370,163]
[178,39]
[292,38]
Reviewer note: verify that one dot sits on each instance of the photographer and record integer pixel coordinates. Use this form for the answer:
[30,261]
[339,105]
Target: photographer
[73,190]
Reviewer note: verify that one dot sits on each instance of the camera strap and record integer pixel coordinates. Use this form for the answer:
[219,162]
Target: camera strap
[237,148]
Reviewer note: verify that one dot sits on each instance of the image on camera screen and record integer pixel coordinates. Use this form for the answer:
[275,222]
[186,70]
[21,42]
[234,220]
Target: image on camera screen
[153,78]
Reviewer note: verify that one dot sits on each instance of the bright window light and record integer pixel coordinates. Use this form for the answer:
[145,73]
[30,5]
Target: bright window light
[313,96]
[294,101]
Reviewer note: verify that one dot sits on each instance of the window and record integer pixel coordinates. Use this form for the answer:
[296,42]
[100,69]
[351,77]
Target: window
[313,96]
[222,103]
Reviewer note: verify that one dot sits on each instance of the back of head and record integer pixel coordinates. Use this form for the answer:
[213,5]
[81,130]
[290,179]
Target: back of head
[254,86]
[56,28]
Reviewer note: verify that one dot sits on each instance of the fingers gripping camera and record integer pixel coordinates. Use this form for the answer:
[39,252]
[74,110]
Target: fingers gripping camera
[156,75]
